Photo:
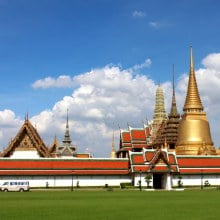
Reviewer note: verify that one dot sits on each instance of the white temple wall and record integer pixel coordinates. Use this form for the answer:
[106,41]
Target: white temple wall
[66,181]
[113,180]
[141,177]
[196,180]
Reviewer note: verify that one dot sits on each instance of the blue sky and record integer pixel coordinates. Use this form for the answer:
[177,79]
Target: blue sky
[50,38]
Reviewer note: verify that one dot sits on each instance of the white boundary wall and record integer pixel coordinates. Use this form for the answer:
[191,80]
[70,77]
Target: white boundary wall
[196,180]
[66,181]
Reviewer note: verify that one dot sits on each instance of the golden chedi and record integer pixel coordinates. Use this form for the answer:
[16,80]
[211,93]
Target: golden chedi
[194,133]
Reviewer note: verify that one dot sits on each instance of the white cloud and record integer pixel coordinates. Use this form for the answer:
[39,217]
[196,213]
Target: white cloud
[147,63]
[104,97]
[212,61]
[138,14]
[9,125]
[154,24]
[159,24]
[108,96]
[49,82]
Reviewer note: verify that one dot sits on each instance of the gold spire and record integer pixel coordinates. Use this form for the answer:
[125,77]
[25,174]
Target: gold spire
[113,146]
[194,135]
[193,101]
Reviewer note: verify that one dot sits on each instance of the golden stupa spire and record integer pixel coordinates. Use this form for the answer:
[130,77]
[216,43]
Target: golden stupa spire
[113,155]
[193,101]
[194,136]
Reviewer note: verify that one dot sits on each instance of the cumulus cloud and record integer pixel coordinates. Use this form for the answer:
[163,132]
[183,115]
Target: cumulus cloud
[9,125]
[111,96]
[138,14]
[212,61]
[146,64]
[49,82]
[105,98]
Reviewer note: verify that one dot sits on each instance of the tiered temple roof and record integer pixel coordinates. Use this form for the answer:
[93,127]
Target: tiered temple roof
[134,139]
[27,139]
[67,149]
[169,133]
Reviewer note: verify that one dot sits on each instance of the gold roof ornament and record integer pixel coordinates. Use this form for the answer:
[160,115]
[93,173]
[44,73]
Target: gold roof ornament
[194,132]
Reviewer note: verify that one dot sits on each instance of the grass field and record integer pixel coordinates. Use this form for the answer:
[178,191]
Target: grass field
[117,205]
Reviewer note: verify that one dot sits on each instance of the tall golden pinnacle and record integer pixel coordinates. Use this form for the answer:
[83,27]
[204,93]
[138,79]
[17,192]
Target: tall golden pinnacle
[194,137]
[193,101]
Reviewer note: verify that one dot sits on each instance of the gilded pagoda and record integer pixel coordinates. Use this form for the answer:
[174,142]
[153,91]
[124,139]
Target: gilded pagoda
[194,136]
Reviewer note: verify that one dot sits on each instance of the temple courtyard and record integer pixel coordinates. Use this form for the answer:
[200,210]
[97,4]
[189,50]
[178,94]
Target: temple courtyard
[116,204]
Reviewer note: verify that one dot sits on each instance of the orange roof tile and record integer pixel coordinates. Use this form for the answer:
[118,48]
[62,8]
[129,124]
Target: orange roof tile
[138,134]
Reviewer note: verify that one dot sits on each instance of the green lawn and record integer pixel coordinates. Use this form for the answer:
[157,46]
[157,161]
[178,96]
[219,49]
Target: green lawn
[117,205]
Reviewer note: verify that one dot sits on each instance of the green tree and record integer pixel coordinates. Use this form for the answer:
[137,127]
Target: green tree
[148,180]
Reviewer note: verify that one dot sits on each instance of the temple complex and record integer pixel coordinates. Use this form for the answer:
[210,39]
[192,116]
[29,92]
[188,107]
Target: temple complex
[173,151]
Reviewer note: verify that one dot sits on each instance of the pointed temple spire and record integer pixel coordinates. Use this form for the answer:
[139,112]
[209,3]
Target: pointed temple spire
[194,136]
[173,110]
[169,132]
[159,117]
[113,155]
[159,111]
[67,139]
[26,118]
[193,101]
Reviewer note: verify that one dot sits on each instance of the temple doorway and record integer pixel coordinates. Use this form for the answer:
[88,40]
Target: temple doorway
[158,181]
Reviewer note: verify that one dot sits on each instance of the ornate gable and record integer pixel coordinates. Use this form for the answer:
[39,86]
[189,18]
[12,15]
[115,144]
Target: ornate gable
[67,152]
[27,139]
[160,157]
[53,148]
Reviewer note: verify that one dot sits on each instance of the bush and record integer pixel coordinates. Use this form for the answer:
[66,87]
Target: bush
[125,185]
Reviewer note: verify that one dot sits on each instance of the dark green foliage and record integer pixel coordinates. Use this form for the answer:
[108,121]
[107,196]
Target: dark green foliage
[148,180]
[125,185]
